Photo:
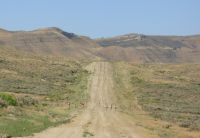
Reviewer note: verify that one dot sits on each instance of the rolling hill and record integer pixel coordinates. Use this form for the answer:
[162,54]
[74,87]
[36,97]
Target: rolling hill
[135,48]
[151,49]
[48,42]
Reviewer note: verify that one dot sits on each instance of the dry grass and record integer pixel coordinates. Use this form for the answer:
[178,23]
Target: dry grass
[42,87]
[169,92]
[165,92]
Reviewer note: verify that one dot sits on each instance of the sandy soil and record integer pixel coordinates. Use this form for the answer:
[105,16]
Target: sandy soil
[100,119]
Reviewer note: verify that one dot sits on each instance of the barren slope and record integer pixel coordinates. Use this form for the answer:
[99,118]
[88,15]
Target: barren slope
[49,42]
[133,47]
[152,49]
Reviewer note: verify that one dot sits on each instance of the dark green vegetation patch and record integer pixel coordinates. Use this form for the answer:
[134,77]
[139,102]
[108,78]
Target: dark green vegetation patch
[8,99]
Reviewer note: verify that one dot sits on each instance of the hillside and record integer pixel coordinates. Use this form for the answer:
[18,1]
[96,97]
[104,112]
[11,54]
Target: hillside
[135,48]
[49,42]
[160,49]
[34,91]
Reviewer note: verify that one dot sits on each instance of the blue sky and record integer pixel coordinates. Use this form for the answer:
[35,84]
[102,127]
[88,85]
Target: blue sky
[103,18]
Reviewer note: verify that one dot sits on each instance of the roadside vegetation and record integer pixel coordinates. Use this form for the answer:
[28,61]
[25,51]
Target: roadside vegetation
[35,92]
[169,92]
[166,92]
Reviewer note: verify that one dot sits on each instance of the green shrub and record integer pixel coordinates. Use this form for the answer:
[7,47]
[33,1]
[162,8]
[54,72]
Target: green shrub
[9,99]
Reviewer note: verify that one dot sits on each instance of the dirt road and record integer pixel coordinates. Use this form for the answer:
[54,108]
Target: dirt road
[101,118]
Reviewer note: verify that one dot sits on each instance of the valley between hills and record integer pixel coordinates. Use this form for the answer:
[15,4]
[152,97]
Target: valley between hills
[55,84]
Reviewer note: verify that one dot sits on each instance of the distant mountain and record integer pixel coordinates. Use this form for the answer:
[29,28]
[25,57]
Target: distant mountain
[136,48]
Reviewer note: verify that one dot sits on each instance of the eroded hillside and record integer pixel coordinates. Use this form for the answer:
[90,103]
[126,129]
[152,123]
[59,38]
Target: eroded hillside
[133,47]
[151,49]
[49,42]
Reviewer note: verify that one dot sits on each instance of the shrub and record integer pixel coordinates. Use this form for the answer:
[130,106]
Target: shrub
[2,103]
[26,100]
[9,99]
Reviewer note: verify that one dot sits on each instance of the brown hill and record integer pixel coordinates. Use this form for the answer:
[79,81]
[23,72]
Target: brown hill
[132,47]
[159,49]
[49,42]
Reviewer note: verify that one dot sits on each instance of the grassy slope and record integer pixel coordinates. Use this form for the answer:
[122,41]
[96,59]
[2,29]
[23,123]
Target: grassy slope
[167,92]
[42,87]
